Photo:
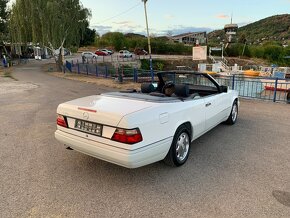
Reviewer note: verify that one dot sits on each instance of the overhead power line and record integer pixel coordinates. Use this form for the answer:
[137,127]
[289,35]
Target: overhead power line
[117,15]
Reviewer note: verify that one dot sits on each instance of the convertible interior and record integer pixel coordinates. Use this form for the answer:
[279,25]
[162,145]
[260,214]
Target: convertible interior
[185,85]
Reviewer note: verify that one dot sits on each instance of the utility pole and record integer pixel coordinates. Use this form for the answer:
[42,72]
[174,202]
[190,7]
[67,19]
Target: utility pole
[149,44]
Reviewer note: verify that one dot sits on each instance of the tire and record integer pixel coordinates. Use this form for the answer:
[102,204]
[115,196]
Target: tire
[180,147]
[232,119]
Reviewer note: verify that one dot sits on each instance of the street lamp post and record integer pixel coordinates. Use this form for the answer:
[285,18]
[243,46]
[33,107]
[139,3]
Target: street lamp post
[149,44]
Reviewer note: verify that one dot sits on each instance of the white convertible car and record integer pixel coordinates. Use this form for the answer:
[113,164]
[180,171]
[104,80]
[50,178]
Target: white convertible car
[135,128]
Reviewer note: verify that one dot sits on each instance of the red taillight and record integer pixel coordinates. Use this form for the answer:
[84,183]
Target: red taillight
[61,121]
[128,136]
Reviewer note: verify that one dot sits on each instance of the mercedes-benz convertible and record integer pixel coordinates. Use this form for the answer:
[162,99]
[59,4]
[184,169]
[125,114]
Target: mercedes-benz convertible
[160,121]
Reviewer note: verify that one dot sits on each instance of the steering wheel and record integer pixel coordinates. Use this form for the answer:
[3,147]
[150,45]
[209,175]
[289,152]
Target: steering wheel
[168,86]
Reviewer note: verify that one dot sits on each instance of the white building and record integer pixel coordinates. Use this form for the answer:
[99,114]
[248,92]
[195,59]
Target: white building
[191,38]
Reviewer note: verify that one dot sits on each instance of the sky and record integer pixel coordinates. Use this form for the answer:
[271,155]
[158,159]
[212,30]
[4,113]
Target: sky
[178,16]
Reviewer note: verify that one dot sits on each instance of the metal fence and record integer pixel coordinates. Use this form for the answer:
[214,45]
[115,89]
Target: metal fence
[265,88]
[121,73]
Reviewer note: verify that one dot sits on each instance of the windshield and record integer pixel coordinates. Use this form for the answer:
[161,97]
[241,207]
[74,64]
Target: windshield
[191,79]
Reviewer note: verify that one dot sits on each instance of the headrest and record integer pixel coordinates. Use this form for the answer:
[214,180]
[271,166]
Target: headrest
[181,90]
[147,87]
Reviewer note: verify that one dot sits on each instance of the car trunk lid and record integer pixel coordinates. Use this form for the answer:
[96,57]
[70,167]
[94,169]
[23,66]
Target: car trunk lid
[101,109]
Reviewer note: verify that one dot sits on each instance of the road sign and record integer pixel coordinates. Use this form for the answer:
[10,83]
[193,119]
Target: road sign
[199,53]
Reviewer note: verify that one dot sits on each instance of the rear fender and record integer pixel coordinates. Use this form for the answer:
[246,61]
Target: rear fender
[187,124]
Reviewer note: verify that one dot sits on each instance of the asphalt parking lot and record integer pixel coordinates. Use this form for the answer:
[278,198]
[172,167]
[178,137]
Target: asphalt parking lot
[232,171]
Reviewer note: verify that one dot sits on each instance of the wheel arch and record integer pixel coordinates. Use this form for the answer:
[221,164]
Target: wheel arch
[236,99]
[188,126]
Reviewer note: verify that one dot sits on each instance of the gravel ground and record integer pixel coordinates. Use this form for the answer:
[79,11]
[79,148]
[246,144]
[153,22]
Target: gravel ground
[8,85]
[232,171]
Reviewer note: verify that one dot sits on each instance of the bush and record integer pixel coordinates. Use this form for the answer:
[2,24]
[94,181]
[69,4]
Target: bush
[273,52]
[157,64]
[257,51]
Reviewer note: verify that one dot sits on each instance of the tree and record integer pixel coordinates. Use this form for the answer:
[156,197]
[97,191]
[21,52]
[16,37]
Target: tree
[88,37]
[115,39]
[49,23]
[3,19]
[242,38]
[273,52]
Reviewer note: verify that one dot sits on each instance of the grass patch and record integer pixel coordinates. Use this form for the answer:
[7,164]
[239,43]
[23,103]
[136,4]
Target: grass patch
[97,80]
[6,72]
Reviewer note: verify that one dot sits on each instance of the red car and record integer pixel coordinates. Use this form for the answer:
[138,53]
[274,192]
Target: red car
[101,53]
[140,51]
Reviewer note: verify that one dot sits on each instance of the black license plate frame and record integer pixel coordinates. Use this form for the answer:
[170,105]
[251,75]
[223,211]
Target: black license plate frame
[89,127]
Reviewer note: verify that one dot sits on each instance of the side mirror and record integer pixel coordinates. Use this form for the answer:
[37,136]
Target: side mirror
[224,88]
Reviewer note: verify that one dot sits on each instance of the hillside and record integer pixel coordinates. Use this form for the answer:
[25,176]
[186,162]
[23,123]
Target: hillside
[275,28]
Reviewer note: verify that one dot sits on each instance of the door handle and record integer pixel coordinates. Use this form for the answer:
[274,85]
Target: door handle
[208,104]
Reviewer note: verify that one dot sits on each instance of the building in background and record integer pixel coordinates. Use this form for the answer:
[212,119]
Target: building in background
[192,38]
[231,33]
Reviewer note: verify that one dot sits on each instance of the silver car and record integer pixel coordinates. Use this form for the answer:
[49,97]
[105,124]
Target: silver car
[89,55]
[125,54]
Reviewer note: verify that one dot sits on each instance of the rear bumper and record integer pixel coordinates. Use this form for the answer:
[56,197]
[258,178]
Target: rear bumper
[126,158]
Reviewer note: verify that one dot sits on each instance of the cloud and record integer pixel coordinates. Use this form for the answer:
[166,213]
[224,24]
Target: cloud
[169,16]
[122,23]
[179,29]
[222,16]
[125,26]
[130,27]
[102,29]
[122,26]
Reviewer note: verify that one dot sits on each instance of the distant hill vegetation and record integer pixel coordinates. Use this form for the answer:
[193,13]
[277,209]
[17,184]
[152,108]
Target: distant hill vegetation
[275,28]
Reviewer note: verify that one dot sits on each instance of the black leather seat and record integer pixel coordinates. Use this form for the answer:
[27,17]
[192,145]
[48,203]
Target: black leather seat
[147,88]
[181,90]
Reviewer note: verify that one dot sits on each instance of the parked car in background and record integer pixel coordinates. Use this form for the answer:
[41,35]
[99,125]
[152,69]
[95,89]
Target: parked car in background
[125,54]
[110,52]
[66,52]
[101,53]
[140,51]
[89,55]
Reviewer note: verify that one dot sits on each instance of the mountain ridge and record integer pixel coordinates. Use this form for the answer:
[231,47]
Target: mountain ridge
[273,28]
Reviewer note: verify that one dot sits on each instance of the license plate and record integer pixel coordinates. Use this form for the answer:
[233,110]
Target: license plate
[88,127]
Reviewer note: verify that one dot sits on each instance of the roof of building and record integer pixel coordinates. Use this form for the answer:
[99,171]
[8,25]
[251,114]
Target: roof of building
[232,25]
[188,34]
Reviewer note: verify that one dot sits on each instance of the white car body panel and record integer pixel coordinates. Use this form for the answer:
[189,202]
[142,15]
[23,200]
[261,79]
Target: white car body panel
[157,122]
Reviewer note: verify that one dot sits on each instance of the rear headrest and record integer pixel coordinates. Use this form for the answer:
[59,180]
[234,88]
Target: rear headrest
[181,90]
[147,87]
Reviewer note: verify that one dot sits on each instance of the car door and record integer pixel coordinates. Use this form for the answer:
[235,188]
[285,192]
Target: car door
[215,106]
[197,118]
[88,55]
[210,111]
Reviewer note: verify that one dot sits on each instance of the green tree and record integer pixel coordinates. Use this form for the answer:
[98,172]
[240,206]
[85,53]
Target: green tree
[3,19]
[115,39]
[49,23]
[242,38]
[273,53]
[257,51]
[88,37]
